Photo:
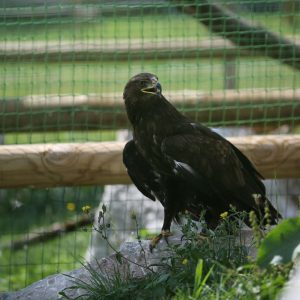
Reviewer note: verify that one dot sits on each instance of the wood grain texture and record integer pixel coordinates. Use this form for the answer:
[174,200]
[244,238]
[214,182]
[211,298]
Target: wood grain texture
[107,111]
[275,156]
[51,165]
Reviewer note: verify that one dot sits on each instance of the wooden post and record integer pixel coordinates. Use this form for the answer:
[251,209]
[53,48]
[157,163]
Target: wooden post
[230,72]
[51,165]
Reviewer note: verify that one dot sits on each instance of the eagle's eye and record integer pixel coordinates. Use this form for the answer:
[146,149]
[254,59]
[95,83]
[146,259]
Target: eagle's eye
[143,83]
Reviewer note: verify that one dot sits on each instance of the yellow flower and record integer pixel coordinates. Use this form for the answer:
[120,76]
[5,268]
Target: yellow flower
[224,215]
[71,206]
[185,261]
[86,209]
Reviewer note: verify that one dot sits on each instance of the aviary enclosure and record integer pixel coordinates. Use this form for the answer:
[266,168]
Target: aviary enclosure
[234,65]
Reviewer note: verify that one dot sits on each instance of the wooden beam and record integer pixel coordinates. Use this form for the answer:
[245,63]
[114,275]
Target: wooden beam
[51,165]
[275,156]
[116,50]
[106,111]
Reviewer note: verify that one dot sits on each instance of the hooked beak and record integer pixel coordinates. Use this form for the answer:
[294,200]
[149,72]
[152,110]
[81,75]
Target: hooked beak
[153,88]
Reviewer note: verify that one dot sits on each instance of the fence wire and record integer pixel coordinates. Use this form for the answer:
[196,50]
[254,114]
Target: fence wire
[58,55]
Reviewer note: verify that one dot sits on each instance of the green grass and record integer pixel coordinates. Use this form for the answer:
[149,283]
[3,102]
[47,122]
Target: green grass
[82,78]
[59,137]
[140,27]
[122,27]
[276,22]
[23,211]
[23,267]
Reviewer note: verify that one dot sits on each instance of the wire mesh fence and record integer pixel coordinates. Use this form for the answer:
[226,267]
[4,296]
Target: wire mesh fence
[64,64]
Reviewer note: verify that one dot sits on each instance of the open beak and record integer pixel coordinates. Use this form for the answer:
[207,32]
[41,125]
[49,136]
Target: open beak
[153,88]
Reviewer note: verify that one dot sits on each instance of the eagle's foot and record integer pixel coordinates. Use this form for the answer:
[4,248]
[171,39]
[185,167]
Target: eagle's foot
[202,237]
[164,234]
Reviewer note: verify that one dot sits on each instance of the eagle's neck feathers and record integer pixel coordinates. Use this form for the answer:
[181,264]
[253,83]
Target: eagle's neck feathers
[152,107]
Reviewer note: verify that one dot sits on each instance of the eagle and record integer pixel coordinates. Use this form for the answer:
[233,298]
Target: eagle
[185,165]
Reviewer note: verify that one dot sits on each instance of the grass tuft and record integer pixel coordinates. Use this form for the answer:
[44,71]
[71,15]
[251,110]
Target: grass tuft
[215,265]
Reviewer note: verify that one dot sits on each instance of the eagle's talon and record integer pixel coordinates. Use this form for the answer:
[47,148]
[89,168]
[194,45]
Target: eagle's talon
[164,234]
[202,237]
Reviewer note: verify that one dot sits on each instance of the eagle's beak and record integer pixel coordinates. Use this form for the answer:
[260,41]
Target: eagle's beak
[153,88]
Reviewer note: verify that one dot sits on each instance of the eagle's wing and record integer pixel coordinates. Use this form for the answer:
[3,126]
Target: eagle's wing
[209,157]
[140,172]
[211,160]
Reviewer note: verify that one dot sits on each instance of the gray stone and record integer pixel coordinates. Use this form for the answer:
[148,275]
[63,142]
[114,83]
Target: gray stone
[138,263]
[138,258]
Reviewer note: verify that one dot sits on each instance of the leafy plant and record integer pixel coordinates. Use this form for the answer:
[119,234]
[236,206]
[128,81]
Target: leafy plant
[213,265]
[199,282]
[280,244]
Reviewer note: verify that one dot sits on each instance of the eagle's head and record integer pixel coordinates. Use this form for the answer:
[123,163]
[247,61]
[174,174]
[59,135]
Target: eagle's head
[142,84]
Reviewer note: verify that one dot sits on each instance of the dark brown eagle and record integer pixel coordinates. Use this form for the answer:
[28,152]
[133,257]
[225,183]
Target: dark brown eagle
[184,165]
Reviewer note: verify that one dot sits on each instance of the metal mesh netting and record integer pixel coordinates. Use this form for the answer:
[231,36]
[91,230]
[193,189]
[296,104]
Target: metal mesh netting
[64,65]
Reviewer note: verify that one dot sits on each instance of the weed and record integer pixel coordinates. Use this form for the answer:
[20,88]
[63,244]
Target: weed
[213,265]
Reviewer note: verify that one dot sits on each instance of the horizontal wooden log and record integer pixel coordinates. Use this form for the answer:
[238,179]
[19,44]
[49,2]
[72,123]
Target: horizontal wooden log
[134,49]
[48,165]
[80,12]
[51,165]
[45,234]
[106,111]
[275,156]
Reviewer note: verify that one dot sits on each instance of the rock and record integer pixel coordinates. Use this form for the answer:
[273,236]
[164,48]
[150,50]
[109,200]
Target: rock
[138,263]
[137,254]
[126,199]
